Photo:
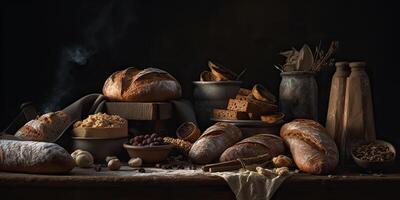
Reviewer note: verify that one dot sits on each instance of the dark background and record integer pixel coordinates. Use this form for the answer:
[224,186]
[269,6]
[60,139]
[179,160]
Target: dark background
[53,52]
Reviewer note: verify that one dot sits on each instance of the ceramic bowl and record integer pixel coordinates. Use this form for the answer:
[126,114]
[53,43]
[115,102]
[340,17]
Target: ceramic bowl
[149,154]
[374,166]
[100,148]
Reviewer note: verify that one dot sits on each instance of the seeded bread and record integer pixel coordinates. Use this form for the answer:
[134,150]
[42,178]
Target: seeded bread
[251,106]
[229,114]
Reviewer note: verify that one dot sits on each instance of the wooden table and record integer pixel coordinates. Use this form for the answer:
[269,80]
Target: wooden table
[299,186]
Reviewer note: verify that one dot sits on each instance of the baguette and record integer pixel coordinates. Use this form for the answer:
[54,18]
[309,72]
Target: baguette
[34,157]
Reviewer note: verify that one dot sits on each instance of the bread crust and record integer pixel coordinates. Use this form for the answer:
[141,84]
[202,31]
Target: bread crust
[213,142]
[45,128]
[254,146]
[312,149]
[34,157]
[147,85]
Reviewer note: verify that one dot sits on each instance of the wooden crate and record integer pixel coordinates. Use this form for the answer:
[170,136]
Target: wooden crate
[139,110]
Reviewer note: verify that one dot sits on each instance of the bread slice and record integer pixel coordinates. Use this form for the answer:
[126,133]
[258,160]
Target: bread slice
[241,97]
[244,92]
[251,106]
[229,114]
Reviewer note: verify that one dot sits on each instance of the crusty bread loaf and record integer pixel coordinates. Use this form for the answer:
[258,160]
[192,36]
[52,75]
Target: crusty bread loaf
[251,106]
[313,150]
[209,147]
[254,146]
[45,128]
[34,157]
[229,114]
[147,85]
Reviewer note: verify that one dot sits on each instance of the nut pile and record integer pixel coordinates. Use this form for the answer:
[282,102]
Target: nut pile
[147,140]
[374,152]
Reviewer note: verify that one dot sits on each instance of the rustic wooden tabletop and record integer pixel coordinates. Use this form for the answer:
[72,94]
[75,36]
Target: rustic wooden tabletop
[86,183]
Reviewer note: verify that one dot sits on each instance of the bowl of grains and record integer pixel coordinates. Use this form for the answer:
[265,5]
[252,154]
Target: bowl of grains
[101,125]
[375,155]
[101,134]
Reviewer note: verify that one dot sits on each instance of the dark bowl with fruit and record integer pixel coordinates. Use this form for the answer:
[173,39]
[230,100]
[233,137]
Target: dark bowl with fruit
[150,148]
[374,156]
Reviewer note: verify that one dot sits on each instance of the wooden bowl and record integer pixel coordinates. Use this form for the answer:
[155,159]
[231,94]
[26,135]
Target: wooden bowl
[149,154]
[88,132]
[272,118]
[374,166]
[188,131]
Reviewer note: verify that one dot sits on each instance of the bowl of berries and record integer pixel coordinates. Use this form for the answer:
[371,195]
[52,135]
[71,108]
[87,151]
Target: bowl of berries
[150,148]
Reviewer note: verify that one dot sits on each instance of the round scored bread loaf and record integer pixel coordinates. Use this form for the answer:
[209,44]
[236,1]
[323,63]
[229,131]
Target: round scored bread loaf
[255,145]
[34,157]
[136,85]
[215,140]
[313,150]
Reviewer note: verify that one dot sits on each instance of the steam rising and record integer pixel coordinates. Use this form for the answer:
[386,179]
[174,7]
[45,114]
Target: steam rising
[102,33]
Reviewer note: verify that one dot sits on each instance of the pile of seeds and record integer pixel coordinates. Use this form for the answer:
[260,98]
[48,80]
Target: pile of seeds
[374,152]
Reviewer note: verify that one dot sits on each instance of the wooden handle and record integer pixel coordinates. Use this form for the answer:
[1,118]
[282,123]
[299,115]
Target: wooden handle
[235,164]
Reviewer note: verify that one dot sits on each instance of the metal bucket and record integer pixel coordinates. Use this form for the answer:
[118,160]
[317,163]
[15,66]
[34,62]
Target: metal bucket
[298,95]
[212,94]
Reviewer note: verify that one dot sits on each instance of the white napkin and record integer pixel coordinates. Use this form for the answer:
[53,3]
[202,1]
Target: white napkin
[249,185]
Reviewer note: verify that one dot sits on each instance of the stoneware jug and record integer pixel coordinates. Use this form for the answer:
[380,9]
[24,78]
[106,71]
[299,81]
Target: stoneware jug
[298,95]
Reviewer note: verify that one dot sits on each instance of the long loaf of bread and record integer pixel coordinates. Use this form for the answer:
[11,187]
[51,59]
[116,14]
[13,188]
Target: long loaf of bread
[213,142]
[46,128]
[253,146]
[34,157]
[313,150]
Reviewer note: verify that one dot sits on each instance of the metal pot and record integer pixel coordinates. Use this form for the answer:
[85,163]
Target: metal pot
[298,95]
[212,94]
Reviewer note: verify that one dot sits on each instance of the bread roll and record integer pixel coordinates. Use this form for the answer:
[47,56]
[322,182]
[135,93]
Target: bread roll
[213,142]
[147,85]
[34,157]
[312,149]
[254,146]
[45,128]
